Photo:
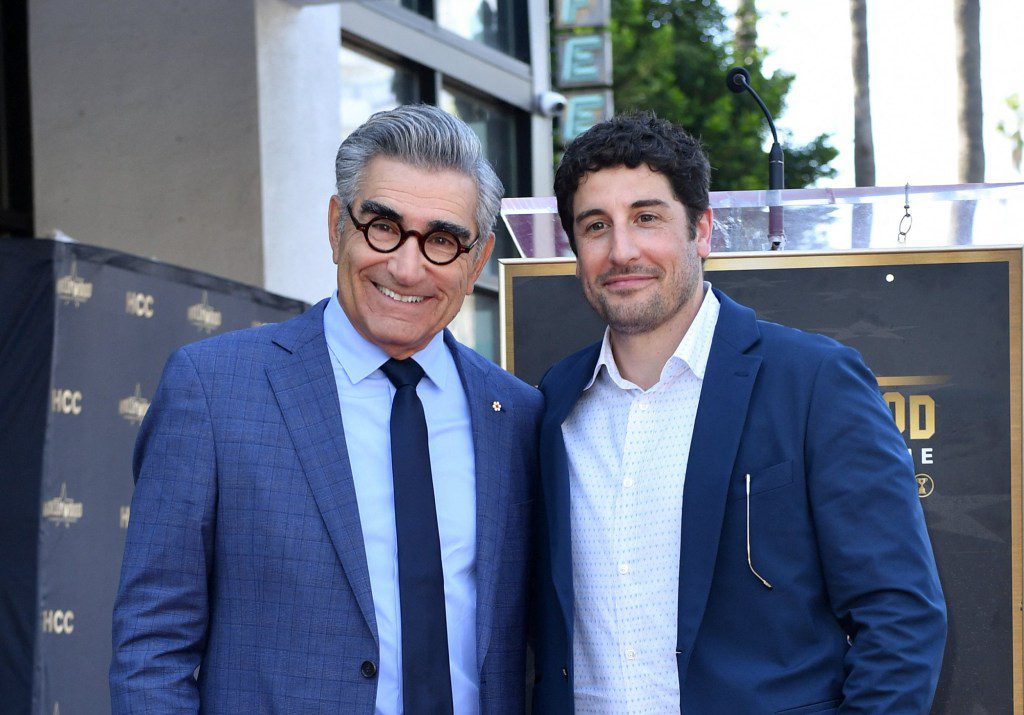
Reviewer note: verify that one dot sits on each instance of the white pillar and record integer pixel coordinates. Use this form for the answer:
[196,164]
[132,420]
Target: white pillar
[300,124]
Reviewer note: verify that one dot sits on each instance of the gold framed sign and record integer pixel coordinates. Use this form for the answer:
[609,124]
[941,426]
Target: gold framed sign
[941,329]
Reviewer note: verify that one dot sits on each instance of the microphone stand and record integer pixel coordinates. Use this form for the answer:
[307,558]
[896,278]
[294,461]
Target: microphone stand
[738,80]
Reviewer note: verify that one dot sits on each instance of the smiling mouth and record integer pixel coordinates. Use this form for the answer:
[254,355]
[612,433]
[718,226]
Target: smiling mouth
[628,281]
[628,277]
[398,296]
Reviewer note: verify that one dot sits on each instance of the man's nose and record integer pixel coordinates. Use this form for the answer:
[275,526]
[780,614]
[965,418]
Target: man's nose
[624,247]
[407,264]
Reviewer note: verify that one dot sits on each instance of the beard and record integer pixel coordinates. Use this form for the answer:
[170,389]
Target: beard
[633,315]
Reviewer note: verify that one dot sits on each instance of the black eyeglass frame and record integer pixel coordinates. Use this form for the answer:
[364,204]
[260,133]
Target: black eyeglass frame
[421,238]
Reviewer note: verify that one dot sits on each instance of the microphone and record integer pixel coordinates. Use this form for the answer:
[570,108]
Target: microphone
[738,81]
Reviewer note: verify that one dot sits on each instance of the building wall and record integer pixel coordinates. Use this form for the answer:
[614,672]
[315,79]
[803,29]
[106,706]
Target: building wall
[145,129]
[203,132]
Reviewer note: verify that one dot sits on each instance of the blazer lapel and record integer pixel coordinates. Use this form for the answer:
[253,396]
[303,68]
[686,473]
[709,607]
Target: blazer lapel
[307,393]
[721,415]
[555,476]
[491,442]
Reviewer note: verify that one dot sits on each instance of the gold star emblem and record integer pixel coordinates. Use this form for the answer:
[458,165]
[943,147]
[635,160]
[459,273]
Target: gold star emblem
[496,406]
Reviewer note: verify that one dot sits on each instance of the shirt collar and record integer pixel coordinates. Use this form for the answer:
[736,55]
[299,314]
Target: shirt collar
[359,358]
[695,347]
[693,350]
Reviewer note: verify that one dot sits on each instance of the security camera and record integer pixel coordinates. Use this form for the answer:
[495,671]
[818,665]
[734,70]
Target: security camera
[551,103]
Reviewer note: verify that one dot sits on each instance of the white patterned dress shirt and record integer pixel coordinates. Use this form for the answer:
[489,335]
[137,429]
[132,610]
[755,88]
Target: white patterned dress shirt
[627,451]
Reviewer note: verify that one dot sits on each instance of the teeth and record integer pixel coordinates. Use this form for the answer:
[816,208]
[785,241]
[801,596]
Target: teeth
[400,298]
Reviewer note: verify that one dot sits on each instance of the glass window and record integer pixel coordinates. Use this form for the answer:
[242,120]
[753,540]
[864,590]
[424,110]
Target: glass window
[476,325]
[501,130]
[500,24]
[370,84]
[414,5]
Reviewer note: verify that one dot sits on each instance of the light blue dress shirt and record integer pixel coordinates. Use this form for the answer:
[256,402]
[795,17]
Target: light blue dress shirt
[365,396]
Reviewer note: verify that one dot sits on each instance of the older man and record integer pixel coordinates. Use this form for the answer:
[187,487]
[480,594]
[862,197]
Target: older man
[731,518]
[331,514]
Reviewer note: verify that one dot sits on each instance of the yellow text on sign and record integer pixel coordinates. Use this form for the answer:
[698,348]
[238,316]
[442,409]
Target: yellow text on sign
[913,412]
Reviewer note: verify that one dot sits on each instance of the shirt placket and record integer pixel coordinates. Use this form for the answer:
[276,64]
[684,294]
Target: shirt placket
[629,538]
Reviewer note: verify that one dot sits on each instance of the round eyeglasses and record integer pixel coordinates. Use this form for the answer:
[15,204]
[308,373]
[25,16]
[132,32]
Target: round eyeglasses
[386,235]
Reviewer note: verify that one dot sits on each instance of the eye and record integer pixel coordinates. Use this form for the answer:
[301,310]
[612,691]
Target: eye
[384,226]
[647,218]
[442,240]
[440,247]
[595,227]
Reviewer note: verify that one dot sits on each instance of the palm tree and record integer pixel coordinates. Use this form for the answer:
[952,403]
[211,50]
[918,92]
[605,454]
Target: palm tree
[863,142]
[966,15]
[968,64]
[746,32]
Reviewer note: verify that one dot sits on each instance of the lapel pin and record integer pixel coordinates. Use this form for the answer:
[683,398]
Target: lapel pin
[496,406]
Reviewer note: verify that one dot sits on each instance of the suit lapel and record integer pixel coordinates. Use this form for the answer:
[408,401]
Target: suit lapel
[307,393]
[491,444]
[721,416]
[555,477]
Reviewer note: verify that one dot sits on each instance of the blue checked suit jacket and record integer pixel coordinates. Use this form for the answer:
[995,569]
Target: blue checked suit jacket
[244,555]
[855,621]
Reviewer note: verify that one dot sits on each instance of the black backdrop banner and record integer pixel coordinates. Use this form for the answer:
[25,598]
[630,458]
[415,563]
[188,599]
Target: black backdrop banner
[84,334]
[942,332]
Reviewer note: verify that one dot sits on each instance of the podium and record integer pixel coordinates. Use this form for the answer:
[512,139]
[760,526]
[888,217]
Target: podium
[84,334]
[935,313]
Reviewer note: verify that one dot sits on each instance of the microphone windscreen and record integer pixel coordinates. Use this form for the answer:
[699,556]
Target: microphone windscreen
[737,79]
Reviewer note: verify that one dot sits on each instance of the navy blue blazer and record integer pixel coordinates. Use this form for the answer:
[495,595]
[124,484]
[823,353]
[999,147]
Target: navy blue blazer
[855,621]
[244,553]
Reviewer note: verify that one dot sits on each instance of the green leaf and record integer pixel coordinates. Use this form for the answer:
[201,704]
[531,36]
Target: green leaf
[671,56]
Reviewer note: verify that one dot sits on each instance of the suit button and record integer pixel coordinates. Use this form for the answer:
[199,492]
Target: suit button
[368,669]
[565,673]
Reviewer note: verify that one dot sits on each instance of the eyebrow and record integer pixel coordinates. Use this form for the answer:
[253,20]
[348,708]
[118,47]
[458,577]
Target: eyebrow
[587,214]
[644,203]
[384,211]
[638,204]
[460,232]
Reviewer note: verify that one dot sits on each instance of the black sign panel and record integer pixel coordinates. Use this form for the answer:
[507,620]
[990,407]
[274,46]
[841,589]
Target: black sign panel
[87,342]
[942,332]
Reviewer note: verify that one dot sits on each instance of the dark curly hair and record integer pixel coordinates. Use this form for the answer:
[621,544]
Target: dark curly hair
[629,140]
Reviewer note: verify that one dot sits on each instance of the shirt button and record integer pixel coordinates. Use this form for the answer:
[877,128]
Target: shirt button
[623,568]
[628,482]
[368,669]
[630,654]
[644,405]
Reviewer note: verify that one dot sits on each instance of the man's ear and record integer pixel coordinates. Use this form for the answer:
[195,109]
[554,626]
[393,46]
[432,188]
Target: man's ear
[334,210]
[702,233]
[481,261]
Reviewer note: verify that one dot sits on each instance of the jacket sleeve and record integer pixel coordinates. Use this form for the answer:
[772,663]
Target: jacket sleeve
[875,552]
[161,611]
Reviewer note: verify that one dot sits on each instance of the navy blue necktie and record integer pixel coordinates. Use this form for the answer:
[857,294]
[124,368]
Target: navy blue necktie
[426,677]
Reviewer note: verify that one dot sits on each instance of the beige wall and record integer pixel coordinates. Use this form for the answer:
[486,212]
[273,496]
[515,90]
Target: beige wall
[145,129]
[203,132]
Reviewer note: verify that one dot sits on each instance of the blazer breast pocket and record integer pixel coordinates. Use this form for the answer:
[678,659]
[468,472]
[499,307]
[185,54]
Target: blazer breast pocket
[761,480]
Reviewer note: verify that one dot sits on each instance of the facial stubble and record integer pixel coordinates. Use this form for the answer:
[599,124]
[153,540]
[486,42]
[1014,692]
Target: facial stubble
[636,317]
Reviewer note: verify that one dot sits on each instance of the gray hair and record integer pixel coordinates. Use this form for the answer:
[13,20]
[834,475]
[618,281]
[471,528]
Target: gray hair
[425,137]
